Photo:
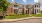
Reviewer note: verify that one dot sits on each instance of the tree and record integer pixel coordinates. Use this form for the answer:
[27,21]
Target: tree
[4,5]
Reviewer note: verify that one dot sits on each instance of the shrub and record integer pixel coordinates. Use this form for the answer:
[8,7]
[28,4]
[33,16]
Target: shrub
[12,14]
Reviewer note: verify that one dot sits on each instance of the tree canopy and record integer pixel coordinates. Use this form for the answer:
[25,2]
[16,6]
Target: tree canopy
[4,5]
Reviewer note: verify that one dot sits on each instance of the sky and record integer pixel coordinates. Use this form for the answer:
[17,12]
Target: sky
[25,2]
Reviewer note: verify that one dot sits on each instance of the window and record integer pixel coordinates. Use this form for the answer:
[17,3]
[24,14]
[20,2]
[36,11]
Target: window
[37,11]
[35,6]
[39,6]
[20,10]
[27,7]
[15,5]
[20,6]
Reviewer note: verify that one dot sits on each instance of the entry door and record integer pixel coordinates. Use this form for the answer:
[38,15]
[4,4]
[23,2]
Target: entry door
[26,12]
[15,11]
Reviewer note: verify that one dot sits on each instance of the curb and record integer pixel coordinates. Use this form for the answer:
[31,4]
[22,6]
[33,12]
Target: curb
[15,20]
[35,17]
[20,19]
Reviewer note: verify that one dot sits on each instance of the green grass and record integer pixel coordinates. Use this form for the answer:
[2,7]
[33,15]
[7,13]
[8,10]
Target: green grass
[22,16]
[37,15]
[16,16]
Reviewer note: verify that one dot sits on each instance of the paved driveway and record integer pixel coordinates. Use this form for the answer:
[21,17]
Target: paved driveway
[32,20]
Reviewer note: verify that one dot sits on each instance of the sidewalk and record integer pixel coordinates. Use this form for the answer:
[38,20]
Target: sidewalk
[19,19]
[14,19]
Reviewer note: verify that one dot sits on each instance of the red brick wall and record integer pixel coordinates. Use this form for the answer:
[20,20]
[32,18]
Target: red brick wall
[9,10]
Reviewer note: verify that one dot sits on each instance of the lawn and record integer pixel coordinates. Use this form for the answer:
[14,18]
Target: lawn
[22,16]
[16,16]
[37,15]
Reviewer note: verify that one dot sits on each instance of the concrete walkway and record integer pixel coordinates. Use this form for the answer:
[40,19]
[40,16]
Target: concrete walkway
[18,19]
[13,19]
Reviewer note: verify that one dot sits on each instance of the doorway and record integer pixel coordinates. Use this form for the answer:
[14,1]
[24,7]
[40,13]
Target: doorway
[15,11]
[26,12]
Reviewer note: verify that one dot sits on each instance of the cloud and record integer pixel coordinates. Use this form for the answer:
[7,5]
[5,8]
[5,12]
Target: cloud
[12,0]
[36,1]
[24,0]
[40,0]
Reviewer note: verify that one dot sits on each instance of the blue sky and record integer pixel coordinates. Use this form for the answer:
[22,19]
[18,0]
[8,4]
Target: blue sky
[24,2]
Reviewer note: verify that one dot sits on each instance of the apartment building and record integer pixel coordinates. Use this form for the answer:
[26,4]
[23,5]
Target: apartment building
[24,9]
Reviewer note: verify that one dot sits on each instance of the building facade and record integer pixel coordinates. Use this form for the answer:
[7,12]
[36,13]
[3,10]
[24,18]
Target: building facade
[23,9]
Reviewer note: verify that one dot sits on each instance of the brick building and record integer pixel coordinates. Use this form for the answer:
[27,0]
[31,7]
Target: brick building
[25,9]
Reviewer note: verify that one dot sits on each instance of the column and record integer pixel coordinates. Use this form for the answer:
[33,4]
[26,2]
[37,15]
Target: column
[13,10]
[24,9]
[34,9]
